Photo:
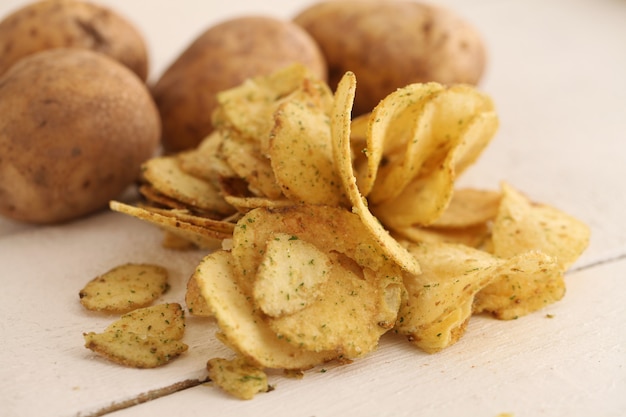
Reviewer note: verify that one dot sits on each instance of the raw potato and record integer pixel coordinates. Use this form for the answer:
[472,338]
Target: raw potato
[75,128]
[71,24]
[125,288]
[223,57]
[390,44]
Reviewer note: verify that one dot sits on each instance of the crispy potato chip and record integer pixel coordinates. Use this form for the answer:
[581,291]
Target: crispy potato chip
[204,162]
[478,237]
[200,236]
[196,304]
[438,302]
[243,327]
[156,198]
[167,177]
[424,199]
[533,280]
[144,338]
[245,204]
[245,158]
[219,226]
[237,377]
[340,132]
[523,226]
[301,153]
[125,288]
[469,207]
[289,276]
[354,307]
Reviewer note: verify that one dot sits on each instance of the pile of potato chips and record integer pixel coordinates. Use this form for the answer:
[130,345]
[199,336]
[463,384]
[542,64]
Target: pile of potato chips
[326,232]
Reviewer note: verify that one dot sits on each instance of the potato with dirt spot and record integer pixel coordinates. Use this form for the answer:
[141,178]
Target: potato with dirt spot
[71,24]
[391,44]
[75,128]
[223,57]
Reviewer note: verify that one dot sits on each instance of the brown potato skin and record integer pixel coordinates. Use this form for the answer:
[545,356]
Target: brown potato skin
[390,44]
[223,57]
[75,127]
[71,23]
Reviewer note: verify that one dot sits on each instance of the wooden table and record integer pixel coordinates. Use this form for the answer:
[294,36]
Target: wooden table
[557,73]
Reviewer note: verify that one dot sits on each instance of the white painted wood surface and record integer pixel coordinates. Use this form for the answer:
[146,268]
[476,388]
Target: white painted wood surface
[557,72]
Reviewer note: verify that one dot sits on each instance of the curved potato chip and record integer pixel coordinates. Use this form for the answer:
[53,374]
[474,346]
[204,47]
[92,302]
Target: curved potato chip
[424,199]
[469,207]
[532,281]
[166,176]
[200,236]
[340,131]
[289,276]
[242,325]
[204,161]
[353,309]
[522,226]
[301,154]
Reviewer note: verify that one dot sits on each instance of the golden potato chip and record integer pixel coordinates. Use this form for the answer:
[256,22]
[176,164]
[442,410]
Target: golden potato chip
[245,204]
[354,307]
[204,161]
[522,226]
[289,276]
[125,288]
[438,303]
[196,304]
[144,338]
[425,197]
[340,131]
[167,177]
[219,226]
[237,377]
[533,280]
[478,236]
[200,236]
[301,153]
[243,327]
[469,207]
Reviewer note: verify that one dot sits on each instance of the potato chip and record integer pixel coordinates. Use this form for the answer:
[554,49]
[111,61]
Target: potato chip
[354,307]
[532,281]
[289,275]
[144,338]
[469,207]
[478,237]
[196,304]
[438,302]
[523,226]
[301,153]
[167,177]
[125,288]
[200,236]
[204,161]
[340,131]
[243,327]
[237,377]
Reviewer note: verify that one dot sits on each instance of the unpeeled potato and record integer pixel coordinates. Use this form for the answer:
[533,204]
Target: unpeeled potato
[221,58]
[391,44]
[50,24]
[75,127]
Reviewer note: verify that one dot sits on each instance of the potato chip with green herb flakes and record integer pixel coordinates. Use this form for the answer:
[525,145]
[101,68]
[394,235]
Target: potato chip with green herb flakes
[125,288]
[144,338]
[237,377]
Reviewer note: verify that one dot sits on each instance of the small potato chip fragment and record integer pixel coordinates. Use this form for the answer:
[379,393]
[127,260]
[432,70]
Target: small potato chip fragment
[144,338]
[125,288]
[237,377]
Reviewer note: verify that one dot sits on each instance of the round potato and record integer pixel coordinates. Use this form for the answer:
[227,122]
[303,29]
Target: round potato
[71,23]
[75,127]
[221,58]
[390,44]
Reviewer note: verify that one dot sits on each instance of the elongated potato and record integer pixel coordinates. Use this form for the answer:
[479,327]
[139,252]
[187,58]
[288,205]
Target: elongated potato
[390,44]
